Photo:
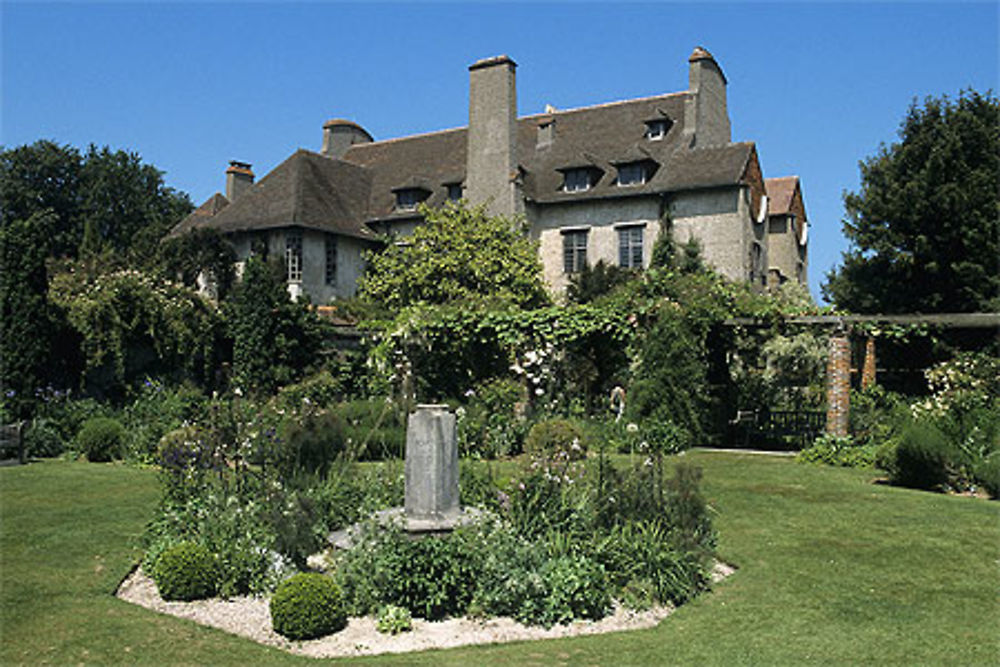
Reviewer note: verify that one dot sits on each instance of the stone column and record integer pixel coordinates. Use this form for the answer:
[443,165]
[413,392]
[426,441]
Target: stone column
[431,469]
[868,372]
[838,384]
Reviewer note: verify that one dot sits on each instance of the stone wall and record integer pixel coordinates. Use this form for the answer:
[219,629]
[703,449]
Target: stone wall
[350,263]
[601,219]
[720,220]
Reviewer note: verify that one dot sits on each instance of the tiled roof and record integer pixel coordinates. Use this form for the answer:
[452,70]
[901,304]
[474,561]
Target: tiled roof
[312,190]
[201,215]
[307,190]
[780,192]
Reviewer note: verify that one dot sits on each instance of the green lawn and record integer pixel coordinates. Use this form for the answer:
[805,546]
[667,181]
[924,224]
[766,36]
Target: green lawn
[833,569]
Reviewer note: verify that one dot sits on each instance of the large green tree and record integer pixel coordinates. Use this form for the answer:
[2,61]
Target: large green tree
[457,254]
[103,199]
[925,227]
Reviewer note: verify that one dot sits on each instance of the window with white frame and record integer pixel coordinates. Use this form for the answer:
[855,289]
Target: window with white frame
[657,129]
[293,255]
[330,268]
[632,173]
[630,247]
[577,180]
[574,250]
[407,199]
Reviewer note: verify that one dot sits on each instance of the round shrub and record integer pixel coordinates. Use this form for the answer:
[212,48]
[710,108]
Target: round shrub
[186,572]
[553,436]
[307,606]
[41,439]
[923,457]
[101,439]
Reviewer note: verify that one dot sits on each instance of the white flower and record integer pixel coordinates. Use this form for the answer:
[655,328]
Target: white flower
[539,391]
[632,427]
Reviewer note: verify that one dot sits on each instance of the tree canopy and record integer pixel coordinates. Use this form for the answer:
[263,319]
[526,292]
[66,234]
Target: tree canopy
[925,227]
[101,199]
[457,254]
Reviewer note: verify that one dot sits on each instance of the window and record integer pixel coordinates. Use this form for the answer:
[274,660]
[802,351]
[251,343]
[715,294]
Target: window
[331,261]
[407,199]
[454,191]
[657,129]
[293,256]
[630,247]
[633,173]
[577,180]
[574,251]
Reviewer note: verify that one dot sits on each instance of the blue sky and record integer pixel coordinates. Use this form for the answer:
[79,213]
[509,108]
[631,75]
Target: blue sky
[190,86]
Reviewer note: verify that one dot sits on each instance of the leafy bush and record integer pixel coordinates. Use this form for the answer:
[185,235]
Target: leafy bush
[577,588]
[432,577]
[41,439]
[374,429]
[186,572]
[307,606]
[663,436]
[392,620]
[924,457]
[551,437]
[839,451]
[645,557]
[101,439]
[488,426]
[156,410]
[988,474]
[310,442]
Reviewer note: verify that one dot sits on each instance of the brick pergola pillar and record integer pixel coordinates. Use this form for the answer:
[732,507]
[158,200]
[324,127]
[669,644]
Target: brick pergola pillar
[838,384]
[868,371]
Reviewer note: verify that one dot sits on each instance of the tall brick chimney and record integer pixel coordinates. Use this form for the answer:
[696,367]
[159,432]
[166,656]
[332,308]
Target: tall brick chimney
[239,179]
[491,168]
[706,117]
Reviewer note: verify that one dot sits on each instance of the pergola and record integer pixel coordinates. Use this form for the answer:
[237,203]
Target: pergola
[838,383]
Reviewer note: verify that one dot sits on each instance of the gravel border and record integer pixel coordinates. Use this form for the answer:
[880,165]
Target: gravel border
[250,617]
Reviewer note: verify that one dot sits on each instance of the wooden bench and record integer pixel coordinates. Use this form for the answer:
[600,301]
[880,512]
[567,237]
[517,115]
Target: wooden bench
[12,442]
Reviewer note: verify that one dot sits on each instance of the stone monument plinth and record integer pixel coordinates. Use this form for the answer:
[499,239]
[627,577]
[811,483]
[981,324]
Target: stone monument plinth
[431,501]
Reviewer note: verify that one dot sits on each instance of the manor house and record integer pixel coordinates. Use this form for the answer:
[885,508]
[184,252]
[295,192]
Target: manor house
[595,183]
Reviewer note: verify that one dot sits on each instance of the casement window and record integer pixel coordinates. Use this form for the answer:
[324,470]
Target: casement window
[330,268]
[454,191]
[657,129]
[574,250]
[408,198]
[293,255]
[757,273]
[632,173]
[578,180]
[630,247]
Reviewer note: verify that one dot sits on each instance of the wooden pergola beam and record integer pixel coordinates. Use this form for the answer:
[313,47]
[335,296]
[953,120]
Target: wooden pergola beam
[949,320]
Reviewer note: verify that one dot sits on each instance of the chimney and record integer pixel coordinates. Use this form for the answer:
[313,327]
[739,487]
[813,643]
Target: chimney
[339,135]
[546,131]
[239,179]
[491,169]
[706,118]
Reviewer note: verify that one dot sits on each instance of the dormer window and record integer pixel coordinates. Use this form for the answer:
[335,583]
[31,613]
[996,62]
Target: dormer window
[408,198]
[657,129]
[632,173]
[578,179]
[454,191]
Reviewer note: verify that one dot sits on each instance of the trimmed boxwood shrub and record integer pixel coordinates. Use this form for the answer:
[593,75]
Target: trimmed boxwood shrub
[101,439]
[186,571]
[923,457]
[553,436]
[307,606]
